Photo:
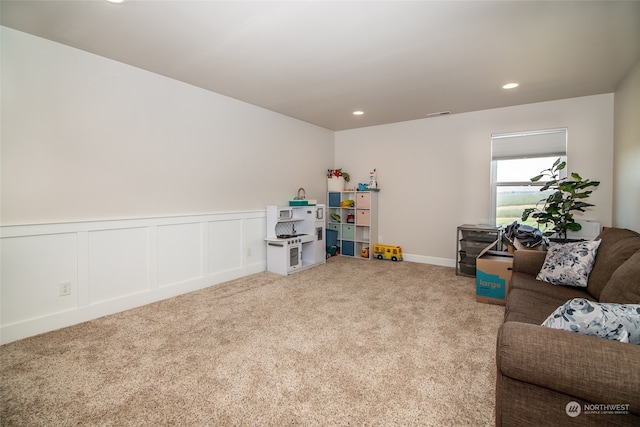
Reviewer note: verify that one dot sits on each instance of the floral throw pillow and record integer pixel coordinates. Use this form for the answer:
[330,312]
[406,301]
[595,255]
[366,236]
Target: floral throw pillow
[569,264]
[619,322]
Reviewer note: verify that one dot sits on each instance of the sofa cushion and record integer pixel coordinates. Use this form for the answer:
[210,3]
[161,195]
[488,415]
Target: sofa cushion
[624,285]
[617,246]
[530,306]
[569,264]
[529,262]
[566,367]
[561,293]
[618,322]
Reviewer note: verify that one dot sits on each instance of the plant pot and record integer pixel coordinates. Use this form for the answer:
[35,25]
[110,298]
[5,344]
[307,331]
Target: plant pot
[336,183]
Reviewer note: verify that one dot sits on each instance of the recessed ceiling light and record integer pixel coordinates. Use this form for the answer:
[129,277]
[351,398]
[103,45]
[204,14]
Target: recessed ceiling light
[358,113]
[115,1]
[510,86]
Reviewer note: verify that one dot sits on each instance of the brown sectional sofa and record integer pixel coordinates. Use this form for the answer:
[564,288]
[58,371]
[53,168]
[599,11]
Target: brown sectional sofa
[542,370]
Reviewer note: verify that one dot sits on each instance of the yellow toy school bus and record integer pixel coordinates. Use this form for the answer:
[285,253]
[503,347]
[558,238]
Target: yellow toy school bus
[394,253]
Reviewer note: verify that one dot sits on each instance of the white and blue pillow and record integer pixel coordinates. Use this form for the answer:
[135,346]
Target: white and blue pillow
[569,264]
[619,322]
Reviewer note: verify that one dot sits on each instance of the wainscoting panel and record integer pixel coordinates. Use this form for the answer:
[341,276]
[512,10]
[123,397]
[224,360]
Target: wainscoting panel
[254,233]
[225,245]
[32,269]
[116,265]
[179,253]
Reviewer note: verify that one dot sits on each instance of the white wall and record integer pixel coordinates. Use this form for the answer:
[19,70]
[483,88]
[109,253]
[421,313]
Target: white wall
[434,173]
[85,137]
[626,208]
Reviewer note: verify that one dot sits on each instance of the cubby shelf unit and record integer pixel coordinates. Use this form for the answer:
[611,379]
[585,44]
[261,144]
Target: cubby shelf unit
[355,224]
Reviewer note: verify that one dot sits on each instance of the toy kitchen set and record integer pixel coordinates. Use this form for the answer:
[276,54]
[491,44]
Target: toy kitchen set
[295,237]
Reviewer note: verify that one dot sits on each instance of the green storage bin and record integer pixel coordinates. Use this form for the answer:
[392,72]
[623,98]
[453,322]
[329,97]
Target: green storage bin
[348,232]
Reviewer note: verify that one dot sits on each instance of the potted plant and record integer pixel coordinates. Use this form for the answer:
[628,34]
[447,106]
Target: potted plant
[568,195]
[336,179]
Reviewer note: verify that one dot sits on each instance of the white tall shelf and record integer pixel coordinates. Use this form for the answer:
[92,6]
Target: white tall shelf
[357,227]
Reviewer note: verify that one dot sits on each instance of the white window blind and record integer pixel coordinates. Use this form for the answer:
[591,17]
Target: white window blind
[544,143]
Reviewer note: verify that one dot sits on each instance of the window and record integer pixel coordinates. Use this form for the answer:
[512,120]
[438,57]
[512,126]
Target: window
[515,159]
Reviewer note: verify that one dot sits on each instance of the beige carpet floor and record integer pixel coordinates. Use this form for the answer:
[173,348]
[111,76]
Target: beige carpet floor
[351,342]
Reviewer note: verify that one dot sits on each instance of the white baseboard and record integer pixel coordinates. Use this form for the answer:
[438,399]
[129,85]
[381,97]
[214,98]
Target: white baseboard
[444,262]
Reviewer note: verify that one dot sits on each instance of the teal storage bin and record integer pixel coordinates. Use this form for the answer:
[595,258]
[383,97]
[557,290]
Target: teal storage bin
[334,227]
[348,232]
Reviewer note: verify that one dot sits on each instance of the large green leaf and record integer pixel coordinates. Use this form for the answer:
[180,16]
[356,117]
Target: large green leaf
[574,226]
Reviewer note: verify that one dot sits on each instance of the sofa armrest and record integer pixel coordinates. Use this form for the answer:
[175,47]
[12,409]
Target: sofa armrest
[594,369]
[529,262]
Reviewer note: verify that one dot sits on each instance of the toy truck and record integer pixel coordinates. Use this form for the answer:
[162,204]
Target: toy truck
[394,253]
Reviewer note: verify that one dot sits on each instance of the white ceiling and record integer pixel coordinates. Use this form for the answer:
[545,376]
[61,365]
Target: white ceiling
[320,60]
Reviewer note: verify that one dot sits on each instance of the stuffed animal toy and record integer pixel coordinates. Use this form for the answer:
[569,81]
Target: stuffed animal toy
[373,183]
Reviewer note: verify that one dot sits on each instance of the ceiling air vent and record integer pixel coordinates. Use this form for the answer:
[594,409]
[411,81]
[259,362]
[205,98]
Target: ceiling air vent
[439,113]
